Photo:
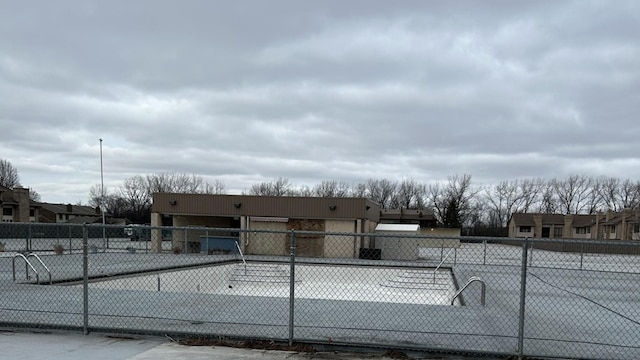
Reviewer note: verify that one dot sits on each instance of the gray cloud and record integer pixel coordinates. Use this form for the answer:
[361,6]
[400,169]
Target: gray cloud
[249,91]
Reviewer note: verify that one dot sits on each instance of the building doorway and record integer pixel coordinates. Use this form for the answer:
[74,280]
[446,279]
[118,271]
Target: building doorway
[546,232]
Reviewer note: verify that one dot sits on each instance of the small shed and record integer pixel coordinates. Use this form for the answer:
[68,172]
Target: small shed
[396,242]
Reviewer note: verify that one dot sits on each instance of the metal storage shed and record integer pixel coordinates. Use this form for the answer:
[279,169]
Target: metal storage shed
[397,247]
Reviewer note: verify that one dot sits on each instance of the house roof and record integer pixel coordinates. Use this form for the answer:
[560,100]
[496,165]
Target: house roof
[631,218]
[584,220]
[522,219]
[6,196]
[78,210]
[96,219]
[527,219]
[404,214]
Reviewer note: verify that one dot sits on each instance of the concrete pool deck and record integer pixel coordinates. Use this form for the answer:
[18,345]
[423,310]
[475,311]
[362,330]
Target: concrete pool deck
[571,313]
[70,346]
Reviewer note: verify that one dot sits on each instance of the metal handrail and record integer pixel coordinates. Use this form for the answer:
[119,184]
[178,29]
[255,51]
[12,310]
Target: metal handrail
[43,265]
[27,266]
[471,280]
[242,256]
[439,265]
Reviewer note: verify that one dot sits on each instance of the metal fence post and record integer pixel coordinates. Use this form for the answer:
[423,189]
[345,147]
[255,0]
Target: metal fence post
[206,245]
[29,243]
[484,258]
[292,283]
[184,246]
[523,291]
[85,285]
[455,256]
[581,254]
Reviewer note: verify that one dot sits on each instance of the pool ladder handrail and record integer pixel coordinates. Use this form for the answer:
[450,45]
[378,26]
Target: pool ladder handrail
[242,256]
[439,265]
[472,280]
[28,265]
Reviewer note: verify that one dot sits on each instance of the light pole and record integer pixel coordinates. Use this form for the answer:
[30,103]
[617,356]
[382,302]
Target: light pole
[102,198]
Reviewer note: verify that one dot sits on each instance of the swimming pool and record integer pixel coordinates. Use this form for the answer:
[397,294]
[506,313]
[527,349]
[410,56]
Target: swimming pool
[331,282]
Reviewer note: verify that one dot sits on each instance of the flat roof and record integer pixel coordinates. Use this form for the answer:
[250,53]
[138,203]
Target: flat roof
[292,207]
[398,227]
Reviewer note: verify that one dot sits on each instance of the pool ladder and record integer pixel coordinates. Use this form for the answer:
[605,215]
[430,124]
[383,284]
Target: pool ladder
[28,265]
[469,282]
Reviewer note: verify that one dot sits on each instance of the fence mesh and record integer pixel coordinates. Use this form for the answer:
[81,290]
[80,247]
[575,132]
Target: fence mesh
[548,298]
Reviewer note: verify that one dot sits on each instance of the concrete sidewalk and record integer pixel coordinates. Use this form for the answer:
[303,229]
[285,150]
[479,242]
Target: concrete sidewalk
[18,345]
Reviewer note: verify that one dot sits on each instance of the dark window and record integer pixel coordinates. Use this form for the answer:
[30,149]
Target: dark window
[636,228]
[583,230]
[525,229]
[7,211]
[557,232]
[32,212]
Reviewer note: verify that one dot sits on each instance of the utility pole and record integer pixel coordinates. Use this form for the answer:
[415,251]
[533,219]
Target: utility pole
[104,237]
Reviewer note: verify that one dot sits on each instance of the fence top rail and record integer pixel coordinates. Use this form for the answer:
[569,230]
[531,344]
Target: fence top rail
[584,242]
[213,230]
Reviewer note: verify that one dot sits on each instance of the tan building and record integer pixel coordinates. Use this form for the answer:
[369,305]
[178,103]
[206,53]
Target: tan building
[429,226]
[268,213]
[65,213]
[604,226]
[16,205]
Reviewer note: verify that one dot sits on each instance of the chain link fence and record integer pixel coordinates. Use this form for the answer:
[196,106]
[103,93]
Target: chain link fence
[469,295]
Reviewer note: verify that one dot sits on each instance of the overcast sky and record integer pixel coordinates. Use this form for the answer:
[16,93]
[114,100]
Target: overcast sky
[249,91]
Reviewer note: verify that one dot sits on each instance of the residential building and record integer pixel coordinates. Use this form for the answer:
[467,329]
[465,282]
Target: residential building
[16,205]
[622,225]
[68,213]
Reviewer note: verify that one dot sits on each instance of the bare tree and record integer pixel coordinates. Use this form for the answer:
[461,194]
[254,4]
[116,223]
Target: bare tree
[548,201]
[409,195]
[304,190]
[359,190]
[175,182]
[572,193]
[133,198]
[593,199]
[136,193]
[217,187]
[630,195]
[453,202]
[332,188]
[278,187]
[503,199]
[8,175]
[34,196]
[530,192]
[381,191]
[609,192]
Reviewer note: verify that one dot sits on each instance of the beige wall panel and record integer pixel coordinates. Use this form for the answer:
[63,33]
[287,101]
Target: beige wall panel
[267,243]
[340,246]
[436,243]
[156,239]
